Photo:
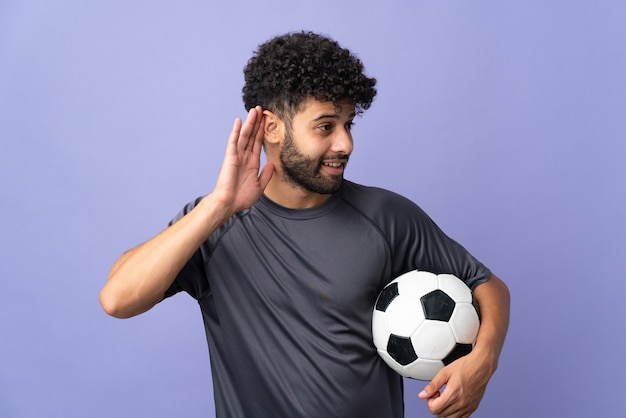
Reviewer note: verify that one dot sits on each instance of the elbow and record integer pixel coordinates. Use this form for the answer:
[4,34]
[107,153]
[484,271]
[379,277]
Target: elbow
[112,304]
[119,304]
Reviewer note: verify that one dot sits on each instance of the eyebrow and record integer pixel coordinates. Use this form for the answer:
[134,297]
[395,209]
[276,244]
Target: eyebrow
[332,116]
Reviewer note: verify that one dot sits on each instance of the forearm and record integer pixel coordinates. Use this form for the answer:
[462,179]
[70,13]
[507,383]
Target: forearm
[494,302]
[466,379]
[140,277]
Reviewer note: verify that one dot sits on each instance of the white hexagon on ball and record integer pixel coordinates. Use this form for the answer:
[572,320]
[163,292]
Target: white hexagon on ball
[433,340]
[464,323]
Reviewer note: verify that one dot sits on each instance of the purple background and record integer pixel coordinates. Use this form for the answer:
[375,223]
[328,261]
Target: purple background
[505,121]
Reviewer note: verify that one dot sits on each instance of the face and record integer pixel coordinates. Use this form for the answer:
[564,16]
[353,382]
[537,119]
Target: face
[316,150]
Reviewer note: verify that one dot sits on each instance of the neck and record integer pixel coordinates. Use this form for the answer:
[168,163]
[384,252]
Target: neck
[293,196]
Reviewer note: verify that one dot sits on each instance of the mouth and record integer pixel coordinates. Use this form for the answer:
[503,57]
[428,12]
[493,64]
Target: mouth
[335,166]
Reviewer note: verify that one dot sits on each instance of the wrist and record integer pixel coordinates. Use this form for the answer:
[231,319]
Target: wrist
[215,209]
[486,356]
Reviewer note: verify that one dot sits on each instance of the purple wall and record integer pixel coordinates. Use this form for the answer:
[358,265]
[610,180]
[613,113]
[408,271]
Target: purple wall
[504,120]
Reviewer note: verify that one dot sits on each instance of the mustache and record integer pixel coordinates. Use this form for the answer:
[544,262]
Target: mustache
[336,157]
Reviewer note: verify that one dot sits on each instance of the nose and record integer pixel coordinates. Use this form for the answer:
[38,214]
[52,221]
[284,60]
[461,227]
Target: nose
[342,142]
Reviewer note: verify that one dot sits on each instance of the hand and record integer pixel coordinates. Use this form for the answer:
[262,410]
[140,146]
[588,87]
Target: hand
[465,382]
[239,184]
[466,379]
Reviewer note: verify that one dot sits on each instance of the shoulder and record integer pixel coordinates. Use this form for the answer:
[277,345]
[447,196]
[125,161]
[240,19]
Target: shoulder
[220,231]
[396,216]
[376,201]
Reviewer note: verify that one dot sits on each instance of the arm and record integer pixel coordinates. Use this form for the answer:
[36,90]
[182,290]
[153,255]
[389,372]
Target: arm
[466,379]
[139,278]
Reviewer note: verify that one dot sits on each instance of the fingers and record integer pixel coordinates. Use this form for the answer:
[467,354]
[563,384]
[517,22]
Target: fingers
[436,400]
[437,405]
[266,175]
[432,389]
[251,134]
[260,134]
[234,134]
[450,403]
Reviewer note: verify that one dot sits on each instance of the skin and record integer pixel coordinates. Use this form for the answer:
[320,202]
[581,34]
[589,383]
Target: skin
[321,139]
[139,278]
[304,167]
[466,379]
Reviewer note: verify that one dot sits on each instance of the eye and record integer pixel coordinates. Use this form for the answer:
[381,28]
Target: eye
[349,125]
[326,127]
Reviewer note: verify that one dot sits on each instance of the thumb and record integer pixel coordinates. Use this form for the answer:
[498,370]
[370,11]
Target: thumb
[266,175]
[432,390]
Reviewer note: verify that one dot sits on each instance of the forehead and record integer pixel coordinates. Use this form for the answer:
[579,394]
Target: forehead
[312,109]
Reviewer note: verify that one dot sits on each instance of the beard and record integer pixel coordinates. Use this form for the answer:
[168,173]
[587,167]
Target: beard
[306,171]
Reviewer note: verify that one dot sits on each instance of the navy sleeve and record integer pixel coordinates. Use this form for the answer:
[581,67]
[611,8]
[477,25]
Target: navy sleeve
[191,278]
[415,241]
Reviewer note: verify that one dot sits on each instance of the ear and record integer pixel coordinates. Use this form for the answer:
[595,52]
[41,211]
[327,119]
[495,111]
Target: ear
[274,128]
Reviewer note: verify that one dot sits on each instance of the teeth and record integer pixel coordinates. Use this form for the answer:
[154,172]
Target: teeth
[334,165]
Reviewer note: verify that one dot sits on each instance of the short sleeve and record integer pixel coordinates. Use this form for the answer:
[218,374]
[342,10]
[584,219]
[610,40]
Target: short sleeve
[192,277]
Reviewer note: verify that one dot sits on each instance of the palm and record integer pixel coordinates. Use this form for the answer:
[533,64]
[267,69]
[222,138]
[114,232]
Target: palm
[240,184]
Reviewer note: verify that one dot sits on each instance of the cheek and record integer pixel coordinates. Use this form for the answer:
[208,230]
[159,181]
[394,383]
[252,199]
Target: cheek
[310,146]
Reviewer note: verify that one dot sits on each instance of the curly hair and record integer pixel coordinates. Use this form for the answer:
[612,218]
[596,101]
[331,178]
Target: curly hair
[288,69]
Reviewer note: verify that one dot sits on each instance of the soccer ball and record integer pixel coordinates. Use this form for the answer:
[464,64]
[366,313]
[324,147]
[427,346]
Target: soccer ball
[424,321]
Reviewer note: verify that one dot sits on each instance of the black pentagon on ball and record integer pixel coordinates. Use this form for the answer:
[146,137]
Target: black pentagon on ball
[457,352]
[401,349]
[388,294]
[437,305]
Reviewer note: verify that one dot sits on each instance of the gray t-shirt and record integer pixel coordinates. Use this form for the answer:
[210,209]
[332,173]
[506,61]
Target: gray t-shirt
[287,298]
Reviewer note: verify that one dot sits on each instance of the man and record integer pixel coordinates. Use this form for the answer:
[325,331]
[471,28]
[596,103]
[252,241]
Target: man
[286,261]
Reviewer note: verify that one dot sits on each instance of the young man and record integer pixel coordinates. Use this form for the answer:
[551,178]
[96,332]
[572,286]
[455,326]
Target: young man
[286,261]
